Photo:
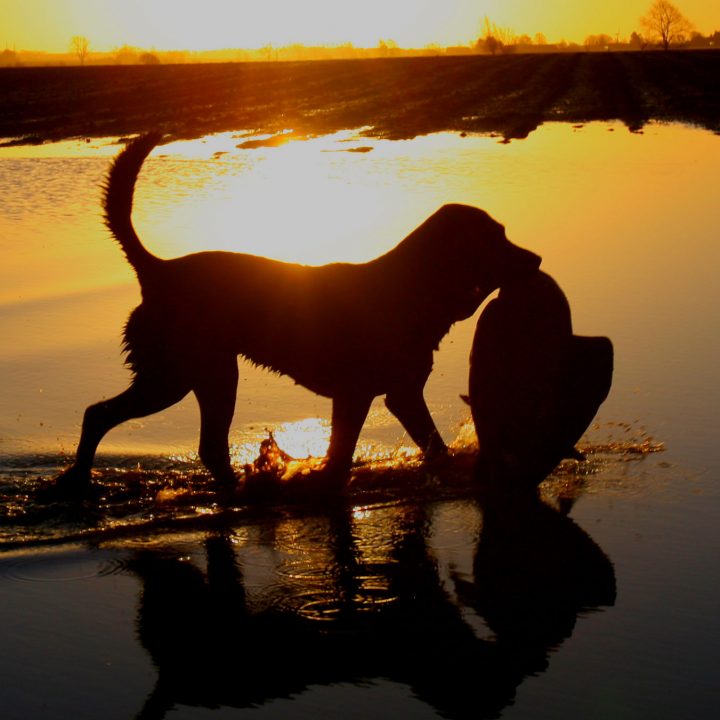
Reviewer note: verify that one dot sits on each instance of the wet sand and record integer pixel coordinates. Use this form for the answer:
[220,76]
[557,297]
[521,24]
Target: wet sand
[510,95]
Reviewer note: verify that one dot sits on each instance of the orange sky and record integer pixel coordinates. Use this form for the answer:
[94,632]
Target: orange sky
[213,24]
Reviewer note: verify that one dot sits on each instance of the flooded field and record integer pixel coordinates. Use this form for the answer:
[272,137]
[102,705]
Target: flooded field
[418,596]
[509,94]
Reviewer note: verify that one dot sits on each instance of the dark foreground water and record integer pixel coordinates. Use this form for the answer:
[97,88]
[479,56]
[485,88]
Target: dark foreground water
[419,596]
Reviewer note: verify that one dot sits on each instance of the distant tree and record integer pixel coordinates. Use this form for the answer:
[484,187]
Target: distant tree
[665,23]
[269,53]
[8,57]
[492,44]
[495,39]
[149,58]
[697,40]
[540,39]
[598,42]
[637,41]
[80,46]
[387,48]
[126,55]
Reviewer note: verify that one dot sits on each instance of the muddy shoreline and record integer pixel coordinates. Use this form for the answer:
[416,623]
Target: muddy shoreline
[508,95]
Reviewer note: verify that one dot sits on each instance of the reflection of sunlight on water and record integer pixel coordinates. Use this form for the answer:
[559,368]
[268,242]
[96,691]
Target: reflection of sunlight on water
[301,439]
[92,147]
[316,576]
[305,438]
[309,438]
[312,201]
[381,537]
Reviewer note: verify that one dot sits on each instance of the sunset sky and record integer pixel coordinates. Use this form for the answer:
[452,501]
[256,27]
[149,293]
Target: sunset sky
[213,24]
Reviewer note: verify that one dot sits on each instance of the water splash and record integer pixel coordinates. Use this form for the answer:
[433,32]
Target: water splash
[158,494]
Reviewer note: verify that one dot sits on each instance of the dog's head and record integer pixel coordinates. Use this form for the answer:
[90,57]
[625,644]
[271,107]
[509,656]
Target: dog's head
[467,256]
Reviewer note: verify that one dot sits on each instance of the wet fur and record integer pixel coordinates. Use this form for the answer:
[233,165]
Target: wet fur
[348,332]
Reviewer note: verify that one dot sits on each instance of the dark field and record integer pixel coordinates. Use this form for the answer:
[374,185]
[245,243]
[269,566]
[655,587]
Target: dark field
[395,98]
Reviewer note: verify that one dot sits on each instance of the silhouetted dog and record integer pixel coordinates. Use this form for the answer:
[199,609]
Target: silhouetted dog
[534,386]
[348,332]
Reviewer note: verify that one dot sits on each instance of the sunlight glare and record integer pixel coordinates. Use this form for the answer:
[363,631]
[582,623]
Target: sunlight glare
[307,438]
[311,201]
[304,438]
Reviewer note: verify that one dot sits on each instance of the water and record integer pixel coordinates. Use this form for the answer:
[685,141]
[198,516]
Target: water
[421,599]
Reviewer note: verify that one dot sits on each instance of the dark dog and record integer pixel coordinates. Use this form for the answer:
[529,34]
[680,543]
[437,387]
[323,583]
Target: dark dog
[534,386]
[348,332]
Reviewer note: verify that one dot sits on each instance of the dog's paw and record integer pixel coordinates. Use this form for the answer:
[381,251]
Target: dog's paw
[70,485]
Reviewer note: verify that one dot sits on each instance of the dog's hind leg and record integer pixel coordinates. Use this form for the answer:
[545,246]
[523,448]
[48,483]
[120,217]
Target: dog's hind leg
[148,394]
[407,404]
[216,391]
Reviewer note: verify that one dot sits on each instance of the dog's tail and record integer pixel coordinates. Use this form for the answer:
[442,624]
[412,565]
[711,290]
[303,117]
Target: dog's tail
[118,199]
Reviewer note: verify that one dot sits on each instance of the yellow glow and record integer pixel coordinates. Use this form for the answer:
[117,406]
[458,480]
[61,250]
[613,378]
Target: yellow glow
[216,24]
[301,439]
[283,202]
[307,440]
[304,438]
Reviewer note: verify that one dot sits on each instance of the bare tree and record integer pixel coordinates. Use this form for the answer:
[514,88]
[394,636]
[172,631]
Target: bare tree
[495,38]
[80,45]
[149,58]
[665,23]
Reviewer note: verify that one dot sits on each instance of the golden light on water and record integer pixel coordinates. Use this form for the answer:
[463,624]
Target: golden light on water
[307,438]
[308,201]
[304,438]
[317,200]
[306,441]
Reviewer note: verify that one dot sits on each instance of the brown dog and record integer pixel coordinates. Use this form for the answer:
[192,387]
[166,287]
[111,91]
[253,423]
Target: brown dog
[348,332]
[534,386]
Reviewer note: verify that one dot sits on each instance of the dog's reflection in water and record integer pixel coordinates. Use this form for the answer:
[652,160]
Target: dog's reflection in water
[388,615]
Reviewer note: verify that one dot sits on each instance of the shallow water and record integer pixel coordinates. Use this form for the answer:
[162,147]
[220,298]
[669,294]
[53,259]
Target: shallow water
[423,599]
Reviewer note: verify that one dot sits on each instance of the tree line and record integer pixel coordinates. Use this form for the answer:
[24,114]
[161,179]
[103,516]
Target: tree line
[662,27]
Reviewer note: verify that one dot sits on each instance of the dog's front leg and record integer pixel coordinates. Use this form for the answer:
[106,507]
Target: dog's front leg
[408,405]
[215,389]
[348,416]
